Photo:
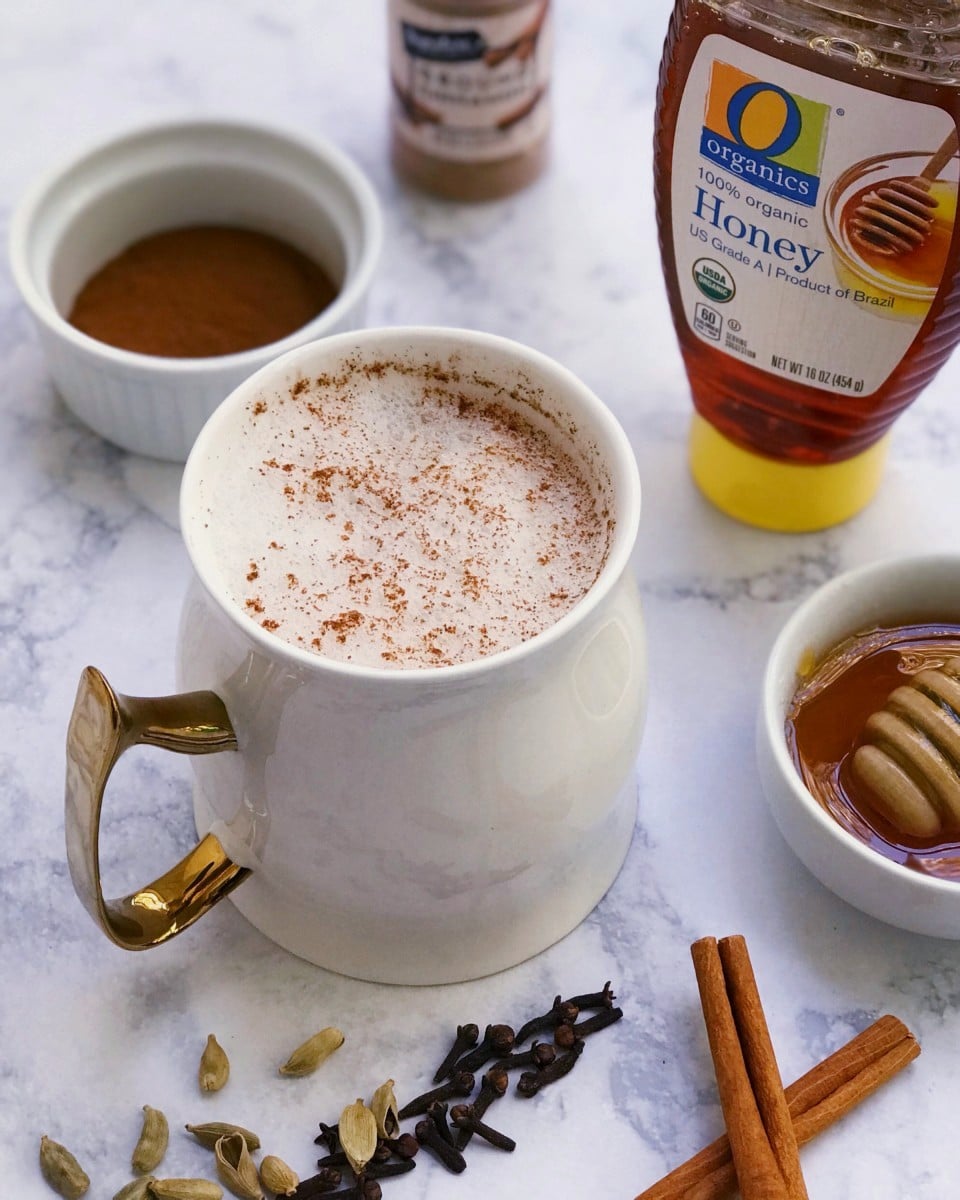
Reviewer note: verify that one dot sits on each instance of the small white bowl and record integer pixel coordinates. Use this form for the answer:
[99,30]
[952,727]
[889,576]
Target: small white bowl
[891,592]
[160,177]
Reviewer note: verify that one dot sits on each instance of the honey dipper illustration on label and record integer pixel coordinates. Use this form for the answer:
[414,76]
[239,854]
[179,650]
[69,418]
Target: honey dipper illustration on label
[897,217]
[893,218]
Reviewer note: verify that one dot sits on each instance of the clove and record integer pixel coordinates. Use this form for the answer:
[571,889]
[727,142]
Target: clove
[493,1085]
[429,1135]
[460,1084]
[328,1136]
[463,1117]
[497,1040]
[531,1082]
[562,1012]
[325,1181]
[601,999]
[404,1146]
[437,1113]
[337,1159]
[566,1036]
[363,1189]
[382,1153]
[466,1039]
[387,1170]
[540,1054]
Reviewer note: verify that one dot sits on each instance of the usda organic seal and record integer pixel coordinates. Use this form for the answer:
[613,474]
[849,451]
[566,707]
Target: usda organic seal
[714,280]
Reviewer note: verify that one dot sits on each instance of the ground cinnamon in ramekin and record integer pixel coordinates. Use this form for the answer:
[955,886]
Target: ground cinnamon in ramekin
[202,291]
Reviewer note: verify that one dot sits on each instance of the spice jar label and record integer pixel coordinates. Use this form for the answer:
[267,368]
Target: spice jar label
[787,186]
[471,88]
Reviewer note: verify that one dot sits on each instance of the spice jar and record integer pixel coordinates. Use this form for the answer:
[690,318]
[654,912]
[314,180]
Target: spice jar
[471,100]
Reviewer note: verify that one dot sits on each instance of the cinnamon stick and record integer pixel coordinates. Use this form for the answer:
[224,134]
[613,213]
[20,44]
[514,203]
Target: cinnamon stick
[761,1061]
[816,1100]
[758,1174]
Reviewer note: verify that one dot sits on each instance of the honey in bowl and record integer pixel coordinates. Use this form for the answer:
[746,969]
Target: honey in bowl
[833,716]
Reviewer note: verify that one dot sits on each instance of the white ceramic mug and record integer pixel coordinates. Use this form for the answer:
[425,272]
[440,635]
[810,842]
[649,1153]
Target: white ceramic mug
[418,825]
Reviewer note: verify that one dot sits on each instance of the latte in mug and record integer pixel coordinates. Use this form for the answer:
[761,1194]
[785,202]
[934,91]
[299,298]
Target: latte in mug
[403,516]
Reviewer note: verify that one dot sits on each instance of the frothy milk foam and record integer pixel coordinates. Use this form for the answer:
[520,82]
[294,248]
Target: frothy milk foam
[399,517]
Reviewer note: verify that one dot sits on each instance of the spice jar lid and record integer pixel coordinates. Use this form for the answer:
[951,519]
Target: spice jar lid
[771,494]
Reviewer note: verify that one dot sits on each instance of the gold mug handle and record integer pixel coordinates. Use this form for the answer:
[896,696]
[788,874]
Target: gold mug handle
[102,726]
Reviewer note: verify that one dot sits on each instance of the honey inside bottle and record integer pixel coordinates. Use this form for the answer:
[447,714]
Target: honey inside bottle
[775,123]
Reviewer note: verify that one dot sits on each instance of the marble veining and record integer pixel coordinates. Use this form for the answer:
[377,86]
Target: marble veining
[92,570]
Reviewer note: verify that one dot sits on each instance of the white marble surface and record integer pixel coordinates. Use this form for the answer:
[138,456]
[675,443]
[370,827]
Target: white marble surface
[92,570]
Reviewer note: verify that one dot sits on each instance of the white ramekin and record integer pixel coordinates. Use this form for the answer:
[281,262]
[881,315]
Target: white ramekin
[882,594]
[160,177]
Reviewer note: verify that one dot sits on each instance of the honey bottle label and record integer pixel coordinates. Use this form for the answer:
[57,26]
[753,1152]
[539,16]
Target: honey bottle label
[812,218]
[474,88]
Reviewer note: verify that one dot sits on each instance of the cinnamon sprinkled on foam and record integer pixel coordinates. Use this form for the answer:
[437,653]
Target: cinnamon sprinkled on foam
[424,525]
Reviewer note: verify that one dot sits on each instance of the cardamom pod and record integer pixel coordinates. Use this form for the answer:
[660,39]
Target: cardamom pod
[236,1168]
[315,1050]
[185,1189]
[152,1143]
[138,1189]
[277,1177]
[358,1135]
[61,1170]
[384,1108]
[214,1066]
[209,1134]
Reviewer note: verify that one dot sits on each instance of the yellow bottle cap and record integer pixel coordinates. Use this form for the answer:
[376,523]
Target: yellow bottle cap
[772,494]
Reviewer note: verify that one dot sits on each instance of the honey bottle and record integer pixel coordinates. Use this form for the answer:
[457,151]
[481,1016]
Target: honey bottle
[470,83]
[806,174]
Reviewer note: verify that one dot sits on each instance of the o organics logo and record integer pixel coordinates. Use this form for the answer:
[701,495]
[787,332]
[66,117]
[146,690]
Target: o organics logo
[765,134]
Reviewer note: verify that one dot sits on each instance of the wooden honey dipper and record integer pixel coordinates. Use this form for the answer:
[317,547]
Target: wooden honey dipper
[910,754]
[897,215]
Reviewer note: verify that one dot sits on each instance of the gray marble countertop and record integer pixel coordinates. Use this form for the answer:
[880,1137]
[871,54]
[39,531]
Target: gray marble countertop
[92,569]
